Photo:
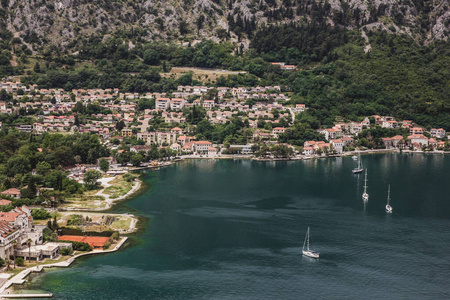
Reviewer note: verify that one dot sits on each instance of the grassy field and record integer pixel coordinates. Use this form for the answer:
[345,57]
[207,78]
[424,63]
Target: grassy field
[85,202]
[123,223]
[119,187]
[204,75]
[96,221]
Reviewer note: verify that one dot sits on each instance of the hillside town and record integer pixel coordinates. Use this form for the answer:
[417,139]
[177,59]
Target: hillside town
[146,130]
[149,130]
[267,112]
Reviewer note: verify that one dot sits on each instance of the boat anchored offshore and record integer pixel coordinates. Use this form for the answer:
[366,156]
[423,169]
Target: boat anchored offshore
[365,196]
[358,169]
[308,252]
[388,207]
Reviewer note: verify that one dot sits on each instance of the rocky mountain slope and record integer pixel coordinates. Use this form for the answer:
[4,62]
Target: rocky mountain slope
[63,22]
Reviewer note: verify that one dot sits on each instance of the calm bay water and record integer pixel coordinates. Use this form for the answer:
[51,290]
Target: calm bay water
[233,229]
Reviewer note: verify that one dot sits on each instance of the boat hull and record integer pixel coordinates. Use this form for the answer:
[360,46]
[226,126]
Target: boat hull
[311,254]
[355,171]
[388,209]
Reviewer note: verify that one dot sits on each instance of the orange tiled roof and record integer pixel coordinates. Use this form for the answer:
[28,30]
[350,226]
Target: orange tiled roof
[11,191]
[94,241]
[6,228]
[4,202]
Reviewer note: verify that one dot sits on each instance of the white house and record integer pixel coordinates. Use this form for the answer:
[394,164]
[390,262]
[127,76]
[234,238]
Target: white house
[277,130]
[202,146]
[208,104]
[177,104]
[419,139]
[162,103]
[12,192]
[416,131]
[212,151]
[338,145]
[308,151]
[437,133]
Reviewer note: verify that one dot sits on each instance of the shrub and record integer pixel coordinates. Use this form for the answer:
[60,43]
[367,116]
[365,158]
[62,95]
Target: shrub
[107,245]
[40,214]
[75,220]
[128,177]
[20,261]
[81,246]
[49,235]
[66,251]
[115,236]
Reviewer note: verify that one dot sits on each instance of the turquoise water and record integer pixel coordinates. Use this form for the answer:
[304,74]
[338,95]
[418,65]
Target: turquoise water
[233,229]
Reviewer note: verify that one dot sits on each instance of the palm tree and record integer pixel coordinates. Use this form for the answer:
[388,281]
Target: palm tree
[8,264]
[29,241]
[14,244]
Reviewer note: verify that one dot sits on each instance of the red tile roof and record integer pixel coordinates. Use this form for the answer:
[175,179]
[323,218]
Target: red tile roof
[5,202]
[6,228]
[9,216]
[203,143]
[94,241]
[11,191]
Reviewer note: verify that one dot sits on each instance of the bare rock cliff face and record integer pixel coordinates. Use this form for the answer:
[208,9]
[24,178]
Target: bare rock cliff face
[63,22]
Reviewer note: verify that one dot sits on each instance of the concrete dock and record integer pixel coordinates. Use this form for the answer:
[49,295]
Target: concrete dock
[20,278]
[9,296]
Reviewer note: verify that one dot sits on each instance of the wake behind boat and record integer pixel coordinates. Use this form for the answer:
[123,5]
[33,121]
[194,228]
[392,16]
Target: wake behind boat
[308,252]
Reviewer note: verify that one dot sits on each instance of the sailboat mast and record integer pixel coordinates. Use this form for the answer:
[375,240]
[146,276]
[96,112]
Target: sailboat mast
[365,182]
[389,193]
[306,238]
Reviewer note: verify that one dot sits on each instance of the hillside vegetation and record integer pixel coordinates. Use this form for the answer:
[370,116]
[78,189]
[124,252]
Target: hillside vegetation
[354,58]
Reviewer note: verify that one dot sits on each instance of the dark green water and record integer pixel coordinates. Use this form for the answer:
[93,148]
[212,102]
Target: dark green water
[234,230]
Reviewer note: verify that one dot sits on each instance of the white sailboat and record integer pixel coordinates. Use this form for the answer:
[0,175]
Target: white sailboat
[358,169]
[355,157]
[388,207]
[365,196]
[307,251]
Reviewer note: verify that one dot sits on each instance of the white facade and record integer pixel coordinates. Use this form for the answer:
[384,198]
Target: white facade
[202,146]
[162,103]
[177,104]
[419,138]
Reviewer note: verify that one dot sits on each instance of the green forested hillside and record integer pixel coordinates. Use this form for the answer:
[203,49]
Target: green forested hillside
[396,77]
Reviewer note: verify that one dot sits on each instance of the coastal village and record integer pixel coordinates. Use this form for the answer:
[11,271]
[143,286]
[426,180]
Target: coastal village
[270,115]
[152,130]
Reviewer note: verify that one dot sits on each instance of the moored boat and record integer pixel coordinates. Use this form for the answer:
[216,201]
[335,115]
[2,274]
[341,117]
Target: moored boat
[308,252]
[358,169]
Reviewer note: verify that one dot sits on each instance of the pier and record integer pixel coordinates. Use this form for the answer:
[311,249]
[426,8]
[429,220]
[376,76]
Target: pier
[20,278]
[13,296]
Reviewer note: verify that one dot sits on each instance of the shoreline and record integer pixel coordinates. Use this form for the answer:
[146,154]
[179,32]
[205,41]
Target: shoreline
[304,157]
[21,277]
[139,186]
[110,202]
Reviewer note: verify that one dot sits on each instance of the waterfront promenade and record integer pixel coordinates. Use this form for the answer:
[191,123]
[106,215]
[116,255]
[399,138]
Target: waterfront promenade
[20,278]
